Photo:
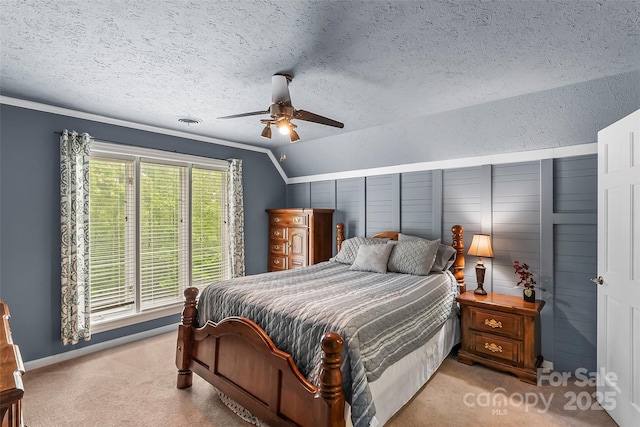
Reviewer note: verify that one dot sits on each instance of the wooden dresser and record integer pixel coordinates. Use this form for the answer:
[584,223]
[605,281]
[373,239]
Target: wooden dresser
[299,237]
[502,332]
[11,370]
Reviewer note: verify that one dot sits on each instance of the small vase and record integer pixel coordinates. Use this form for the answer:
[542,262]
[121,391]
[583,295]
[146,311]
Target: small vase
[529,295]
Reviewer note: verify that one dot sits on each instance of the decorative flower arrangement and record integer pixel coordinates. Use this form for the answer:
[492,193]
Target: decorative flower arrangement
[526,277]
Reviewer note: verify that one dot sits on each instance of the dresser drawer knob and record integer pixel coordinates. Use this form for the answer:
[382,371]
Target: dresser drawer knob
[276,233]
[296,219]
[276,219]
[493,347]
[493,323]
[276,261]
[276,247]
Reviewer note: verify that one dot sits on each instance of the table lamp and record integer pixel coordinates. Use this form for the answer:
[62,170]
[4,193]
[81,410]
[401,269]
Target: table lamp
[480,247]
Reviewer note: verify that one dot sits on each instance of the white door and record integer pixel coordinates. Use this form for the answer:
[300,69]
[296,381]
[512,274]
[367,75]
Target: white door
[619,270]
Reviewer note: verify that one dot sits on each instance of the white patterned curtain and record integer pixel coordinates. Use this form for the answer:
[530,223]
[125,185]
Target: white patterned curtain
[74,224]
[235,217]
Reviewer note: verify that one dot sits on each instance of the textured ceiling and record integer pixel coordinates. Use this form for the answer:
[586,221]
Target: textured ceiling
[365,63]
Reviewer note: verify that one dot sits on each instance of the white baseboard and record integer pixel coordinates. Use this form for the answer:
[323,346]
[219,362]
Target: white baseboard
[68,355]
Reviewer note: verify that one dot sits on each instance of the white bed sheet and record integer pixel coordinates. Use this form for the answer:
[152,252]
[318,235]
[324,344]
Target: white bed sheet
[402,380]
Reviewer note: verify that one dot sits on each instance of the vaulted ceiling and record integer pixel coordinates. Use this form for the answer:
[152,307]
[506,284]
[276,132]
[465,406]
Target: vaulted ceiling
[364,63]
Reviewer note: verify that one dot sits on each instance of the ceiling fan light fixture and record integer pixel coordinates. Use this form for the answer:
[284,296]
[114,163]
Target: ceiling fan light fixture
[294,136]
[284,127]
[266,132]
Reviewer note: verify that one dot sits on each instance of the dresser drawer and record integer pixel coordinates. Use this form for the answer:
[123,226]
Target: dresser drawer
[278,248]
[496,347]
[295,220]
[279,233]
[277,262]
[496,322]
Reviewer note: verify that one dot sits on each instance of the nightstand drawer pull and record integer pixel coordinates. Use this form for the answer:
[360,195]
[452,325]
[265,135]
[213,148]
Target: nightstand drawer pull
[493,323]
[493,347]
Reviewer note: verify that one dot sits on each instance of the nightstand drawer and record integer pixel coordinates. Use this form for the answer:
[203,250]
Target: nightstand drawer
[496,347]
[496,322]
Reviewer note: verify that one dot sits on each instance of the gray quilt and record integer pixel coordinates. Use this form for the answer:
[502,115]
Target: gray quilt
[382,317]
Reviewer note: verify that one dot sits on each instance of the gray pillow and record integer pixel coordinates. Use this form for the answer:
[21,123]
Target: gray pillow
[413,256]
[373,257]
[349,249]
[445,256]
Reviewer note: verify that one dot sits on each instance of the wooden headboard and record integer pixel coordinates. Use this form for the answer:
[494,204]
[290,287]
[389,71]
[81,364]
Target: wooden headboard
[457,243]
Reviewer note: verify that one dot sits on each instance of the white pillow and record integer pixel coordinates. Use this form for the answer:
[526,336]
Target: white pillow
[372,257]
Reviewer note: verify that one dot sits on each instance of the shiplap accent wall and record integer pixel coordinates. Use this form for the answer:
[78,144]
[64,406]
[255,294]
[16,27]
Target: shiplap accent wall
[575,262]
[541,212]
[516,222]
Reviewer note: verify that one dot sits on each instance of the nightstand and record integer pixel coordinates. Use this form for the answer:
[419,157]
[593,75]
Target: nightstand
[501,332]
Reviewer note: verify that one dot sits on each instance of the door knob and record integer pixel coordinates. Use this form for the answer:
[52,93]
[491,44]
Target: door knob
[599,280]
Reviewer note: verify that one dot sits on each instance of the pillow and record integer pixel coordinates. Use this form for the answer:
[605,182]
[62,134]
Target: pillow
[445,256]
[349,249]
[413,256]
[373,257]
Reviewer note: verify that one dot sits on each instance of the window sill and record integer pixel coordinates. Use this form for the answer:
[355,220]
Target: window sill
[135,318]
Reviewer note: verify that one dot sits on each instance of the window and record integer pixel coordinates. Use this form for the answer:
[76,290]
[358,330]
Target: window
[157,226]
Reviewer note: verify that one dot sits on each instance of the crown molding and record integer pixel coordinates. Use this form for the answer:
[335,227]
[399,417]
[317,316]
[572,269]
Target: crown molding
[31,105]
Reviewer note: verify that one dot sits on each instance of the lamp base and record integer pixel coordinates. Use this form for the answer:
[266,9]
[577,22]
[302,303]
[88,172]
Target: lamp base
[479,291]
[480,269]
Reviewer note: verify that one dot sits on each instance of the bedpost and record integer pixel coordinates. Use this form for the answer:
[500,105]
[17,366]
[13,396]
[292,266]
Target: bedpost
[339,236]
[189,314]
[330,380]
[458,265]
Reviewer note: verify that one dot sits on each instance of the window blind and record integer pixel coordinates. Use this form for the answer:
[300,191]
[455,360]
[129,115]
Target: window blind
[111,235]
[208,242]
[163,233]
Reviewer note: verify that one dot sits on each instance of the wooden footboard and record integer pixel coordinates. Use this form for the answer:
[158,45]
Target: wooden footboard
[240,360]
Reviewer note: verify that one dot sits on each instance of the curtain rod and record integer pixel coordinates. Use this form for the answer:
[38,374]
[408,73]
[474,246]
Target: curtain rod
[168,151]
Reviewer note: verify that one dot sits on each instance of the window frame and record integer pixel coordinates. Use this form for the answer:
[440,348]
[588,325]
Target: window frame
[137,155]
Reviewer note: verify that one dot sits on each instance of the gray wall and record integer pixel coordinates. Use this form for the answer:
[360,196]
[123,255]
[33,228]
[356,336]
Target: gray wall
[559,117]
[30,219]
[540,212]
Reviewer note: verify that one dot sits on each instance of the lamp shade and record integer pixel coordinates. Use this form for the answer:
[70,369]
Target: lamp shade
[481,246]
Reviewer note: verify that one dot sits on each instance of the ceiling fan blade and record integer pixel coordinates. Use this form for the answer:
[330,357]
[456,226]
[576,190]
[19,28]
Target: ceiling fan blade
[315,118]
[253,113]
[280,89]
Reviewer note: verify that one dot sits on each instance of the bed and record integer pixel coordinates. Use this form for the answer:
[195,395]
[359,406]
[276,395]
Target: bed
[411,318]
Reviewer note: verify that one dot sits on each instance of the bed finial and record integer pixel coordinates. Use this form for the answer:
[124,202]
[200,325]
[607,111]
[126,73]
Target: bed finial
[189,313]
[330,379]
[189,316]
[458,265]
[339,236]
[330,376]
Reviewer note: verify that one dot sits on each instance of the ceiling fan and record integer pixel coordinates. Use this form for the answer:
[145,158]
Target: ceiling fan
[282,111]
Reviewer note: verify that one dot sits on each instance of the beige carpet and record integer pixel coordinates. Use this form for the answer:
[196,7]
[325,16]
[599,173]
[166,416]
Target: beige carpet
[134,385]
